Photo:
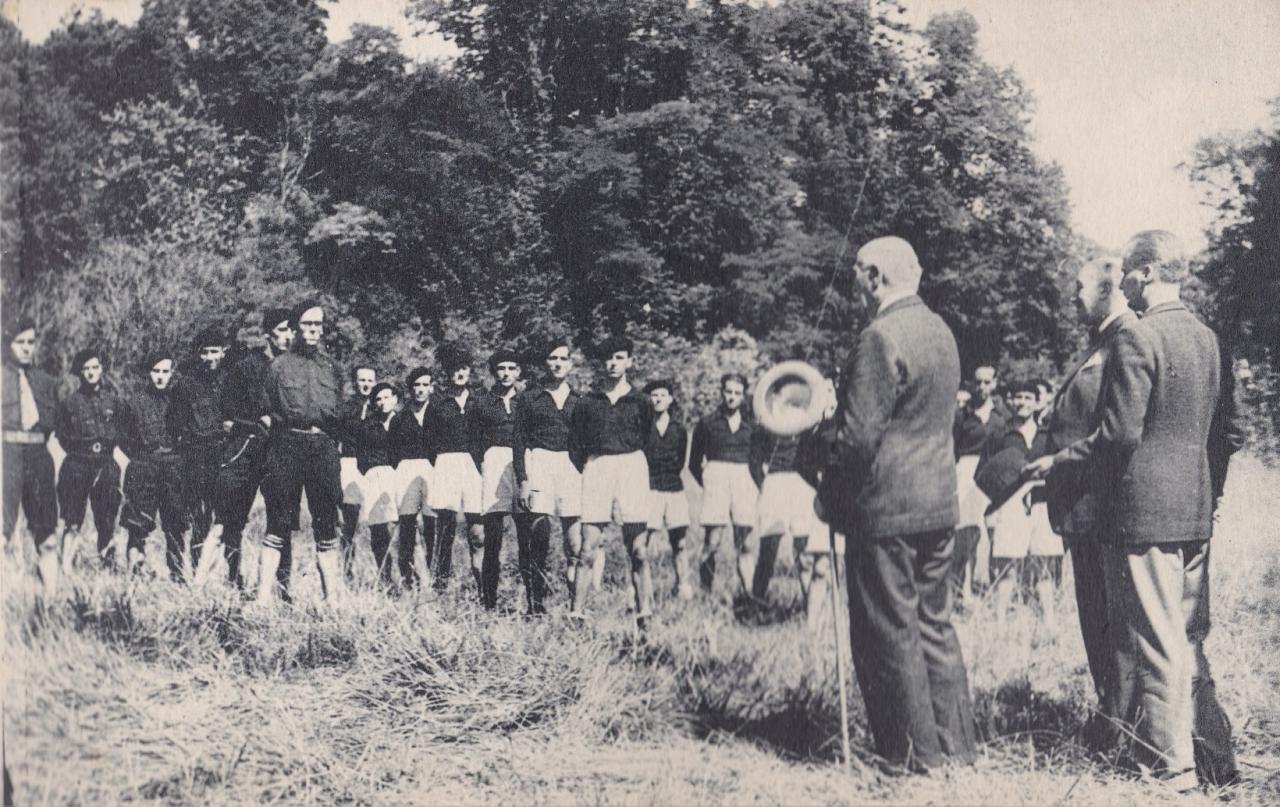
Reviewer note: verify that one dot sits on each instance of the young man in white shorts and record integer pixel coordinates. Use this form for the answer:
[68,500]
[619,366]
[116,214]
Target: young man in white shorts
[610,427]
[457,486]
[669,504]
[380,506]
[354,413]
[550,484]
[720,461]
[411,455]
[785,508]
[494,415]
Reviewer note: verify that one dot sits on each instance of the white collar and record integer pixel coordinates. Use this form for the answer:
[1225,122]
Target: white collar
[621,389]
[1102,326]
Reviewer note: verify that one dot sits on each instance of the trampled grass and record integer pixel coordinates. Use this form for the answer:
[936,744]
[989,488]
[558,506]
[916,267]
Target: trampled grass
[146,691]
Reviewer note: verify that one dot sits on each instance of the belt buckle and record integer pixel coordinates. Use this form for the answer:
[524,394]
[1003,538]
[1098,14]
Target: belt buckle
[96,448]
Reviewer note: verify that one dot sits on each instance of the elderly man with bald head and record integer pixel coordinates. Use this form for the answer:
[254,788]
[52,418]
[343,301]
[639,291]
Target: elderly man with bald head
[1163,416]
[890,485]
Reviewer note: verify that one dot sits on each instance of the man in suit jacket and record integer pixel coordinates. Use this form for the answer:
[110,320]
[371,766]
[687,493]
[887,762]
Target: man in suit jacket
[1162,407]
[1073,495]
[890,485]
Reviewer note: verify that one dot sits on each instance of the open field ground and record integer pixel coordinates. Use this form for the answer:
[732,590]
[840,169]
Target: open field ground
[146,692]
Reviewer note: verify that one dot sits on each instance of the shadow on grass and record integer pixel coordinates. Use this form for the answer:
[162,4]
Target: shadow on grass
[1016,710]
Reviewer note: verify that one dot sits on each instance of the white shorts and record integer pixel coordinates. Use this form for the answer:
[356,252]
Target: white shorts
[1015,533]
[621,479]
[728,495]
[818,541]
[456,484]
[381,495]
[498,490]
[415,486]
[785,506]
[351,479]
[973,502]
[555,484]
[668,509]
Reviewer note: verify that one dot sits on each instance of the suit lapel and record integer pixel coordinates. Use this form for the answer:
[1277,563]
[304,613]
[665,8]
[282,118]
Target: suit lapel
[1095,344]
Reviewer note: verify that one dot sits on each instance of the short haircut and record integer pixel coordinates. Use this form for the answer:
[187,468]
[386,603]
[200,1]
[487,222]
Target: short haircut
[990,367]
[295,315]
[896,261]
[82,356]
[1022,385]
[274,316]
[615,344]
[1041,383]
[13,328]
[661,383]
[502,356]
[415,374]
[212,336]
[739,377]
[379,387]
[1159,249]
[362,365]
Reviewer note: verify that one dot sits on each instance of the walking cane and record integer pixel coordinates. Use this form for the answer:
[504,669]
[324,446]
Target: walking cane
[840,662]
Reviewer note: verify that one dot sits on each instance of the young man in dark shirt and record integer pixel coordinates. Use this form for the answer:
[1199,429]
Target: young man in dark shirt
[354,414]
[29,409]
[303,399]
[669,504]
[458,486]
[244,454]
[720,461]
[153,478]
[550,483]
[380,505]
[610,427]
[197,413]
[411,453]
[494,417]
[88,428]
[983,415]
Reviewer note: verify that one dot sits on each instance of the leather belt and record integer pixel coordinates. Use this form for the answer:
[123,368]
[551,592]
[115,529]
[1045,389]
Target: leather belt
[23,438]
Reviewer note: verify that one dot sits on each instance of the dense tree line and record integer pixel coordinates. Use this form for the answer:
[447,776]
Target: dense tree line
[677,170]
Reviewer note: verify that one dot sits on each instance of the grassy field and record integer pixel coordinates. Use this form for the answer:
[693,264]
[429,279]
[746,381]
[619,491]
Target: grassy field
[147,692]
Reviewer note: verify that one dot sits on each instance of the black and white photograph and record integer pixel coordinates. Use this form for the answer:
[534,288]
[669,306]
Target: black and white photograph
[672,402]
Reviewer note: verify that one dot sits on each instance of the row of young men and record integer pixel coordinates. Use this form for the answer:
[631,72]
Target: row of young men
[199,451]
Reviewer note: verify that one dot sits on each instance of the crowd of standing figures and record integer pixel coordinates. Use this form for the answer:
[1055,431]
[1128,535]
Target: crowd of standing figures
[938,489]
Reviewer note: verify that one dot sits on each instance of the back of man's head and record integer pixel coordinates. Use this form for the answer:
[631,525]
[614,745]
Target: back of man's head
[1162,251]
[896,261]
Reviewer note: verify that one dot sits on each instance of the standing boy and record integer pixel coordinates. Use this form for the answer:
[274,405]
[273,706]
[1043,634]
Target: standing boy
[494,417]
[720,461]
[353,416]
[669,505]
[610,427]
[458,486]
[380,504]
[197,413]
[412,456]
[153,479]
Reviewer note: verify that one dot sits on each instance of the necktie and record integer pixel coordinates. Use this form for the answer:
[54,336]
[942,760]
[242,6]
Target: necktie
[27,402]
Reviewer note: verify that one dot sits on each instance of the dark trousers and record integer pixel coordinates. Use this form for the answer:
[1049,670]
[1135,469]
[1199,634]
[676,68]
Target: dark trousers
[241,472]
[28,483]
[90,479]
[491,569]
[298,462]
[406,539]
[201,460]
[965,555]
[1091,604]
[905,651]
[153,486]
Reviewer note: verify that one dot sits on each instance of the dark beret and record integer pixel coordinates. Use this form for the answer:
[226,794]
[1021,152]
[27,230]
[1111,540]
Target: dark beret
[302,308]
[415,374]
[502,355]
[452,356]
[77,362]
[661,383]
[153,358]
[212,336]
[16,326]
[1022,386]
[380,386]
[274,316]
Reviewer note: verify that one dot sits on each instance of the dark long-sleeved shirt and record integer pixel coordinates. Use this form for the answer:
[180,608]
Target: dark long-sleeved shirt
[303,389]
[541,424]
[354,414]
[148,426]
[970,433]
[665,454]
[714,441]
[494,425]
[89,415]
[409,439]
[773,454]
[600,427]
[43,389]
[243,390]
[375,442]
[197,406]
[452,429]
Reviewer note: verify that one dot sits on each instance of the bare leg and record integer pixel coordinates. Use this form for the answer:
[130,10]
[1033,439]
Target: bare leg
[592,534]
[48,564]
[636,539]
[269,563]
[707,571]
[331,575]
[209,555]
